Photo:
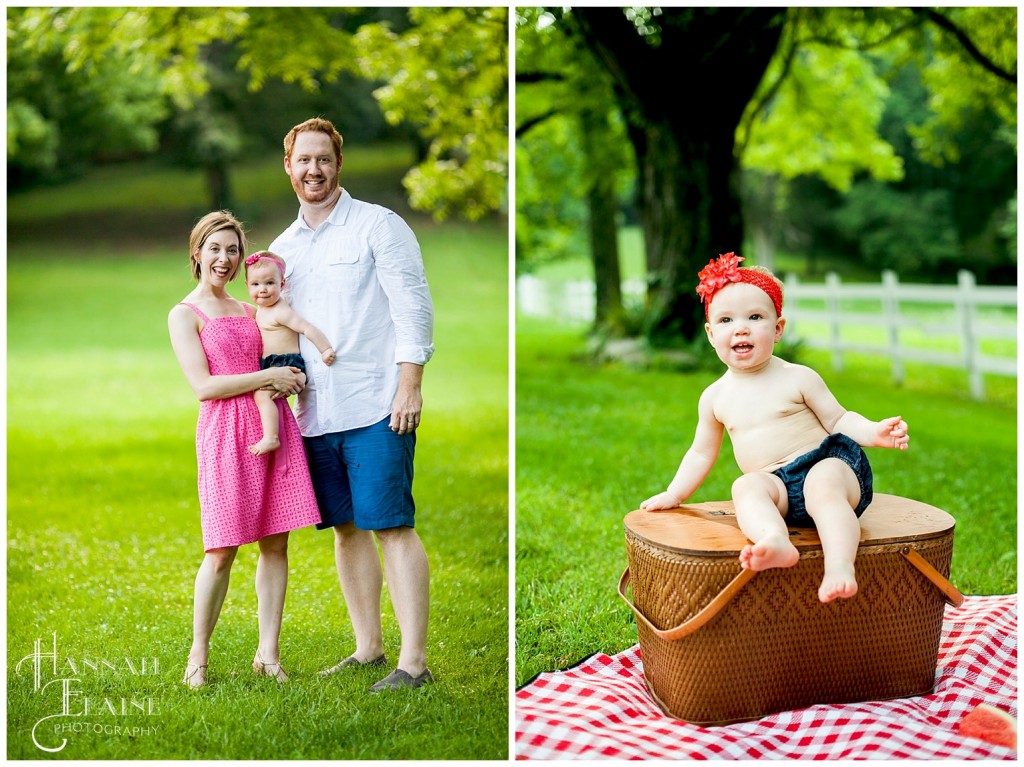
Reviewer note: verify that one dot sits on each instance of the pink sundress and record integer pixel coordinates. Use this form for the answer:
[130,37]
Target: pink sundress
[245,497]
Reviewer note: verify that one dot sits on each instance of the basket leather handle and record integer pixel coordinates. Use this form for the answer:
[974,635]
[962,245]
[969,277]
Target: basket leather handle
[709,611]
[950,592]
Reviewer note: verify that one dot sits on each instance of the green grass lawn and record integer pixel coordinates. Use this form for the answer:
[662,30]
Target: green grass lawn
[103,537]
[593,441]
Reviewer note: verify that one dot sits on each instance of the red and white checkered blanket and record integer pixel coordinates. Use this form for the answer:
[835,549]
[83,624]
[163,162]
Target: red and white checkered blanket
[601,708]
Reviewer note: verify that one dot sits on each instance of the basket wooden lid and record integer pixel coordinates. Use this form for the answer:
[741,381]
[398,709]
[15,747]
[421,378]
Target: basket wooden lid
[710,529]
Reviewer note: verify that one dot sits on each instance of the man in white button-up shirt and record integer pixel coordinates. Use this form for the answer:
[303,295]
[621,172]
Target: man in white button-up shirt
[355,271]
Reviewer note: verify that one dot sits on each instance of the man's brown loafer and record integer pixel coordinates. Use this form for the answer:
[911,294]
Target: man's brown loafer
[398,679]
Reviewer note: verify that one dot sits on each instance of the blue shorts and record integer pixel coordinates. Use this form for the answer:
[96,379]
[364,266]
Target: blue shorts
[283,361]
[794,474]
[363,476]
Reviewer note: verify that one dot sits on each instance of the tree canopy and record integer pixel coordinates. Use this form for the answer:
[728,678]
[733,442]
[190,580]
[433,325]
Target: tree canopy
[87,82]
[781,108]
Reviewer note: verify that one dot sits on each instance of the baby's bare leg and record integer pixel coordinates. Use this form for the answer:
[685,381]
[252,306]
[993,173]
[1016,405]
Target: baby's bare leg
[760,499]
[267,406]
[831,492]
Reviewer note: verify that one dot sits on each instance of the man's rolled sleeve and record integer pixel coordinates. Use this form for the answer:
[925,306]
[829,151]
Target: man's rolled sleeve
[403,279]
[418,355]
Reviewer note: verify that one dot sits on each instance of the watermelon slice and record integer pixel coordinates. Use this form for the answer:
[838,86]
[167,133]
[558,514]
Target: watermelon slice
[990,724]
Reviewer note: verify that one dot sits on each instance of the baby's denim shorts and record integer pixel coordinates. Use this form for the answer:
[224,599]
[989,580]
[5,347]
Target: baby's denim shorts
[794,474]
[283,361]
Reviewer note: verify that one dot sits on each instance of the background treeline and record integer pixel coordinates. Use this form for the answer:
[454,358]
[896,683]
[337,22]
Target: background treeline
[204,87]
[800,137]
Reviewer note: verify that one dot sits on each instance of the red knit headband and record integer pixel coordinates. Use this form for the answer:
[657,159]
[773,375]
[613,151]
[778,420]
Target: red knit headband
[717,274]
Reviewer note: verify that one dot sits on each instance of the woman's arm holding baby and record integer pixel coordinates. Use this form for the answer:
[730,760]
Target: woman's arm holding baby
[184,330]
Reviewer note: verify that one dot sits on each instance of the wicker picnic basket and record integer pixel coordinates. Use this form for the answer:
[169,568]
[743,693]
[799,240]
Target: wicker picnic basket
[720,644]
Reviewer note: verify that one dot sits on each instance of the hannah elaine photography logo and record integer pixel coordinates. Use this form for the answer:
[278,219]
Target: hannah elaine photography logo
[63,681]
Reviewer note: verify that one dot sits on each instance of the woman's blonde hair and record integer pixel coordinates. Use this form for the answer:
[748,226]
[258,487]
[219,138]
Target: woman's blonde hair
[209,224]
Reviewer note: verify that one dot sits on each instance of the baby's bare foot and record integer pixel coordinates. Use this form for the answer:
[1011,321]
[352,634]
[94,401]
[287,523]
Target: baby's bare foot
[839,583]
[773,551]
[265,445]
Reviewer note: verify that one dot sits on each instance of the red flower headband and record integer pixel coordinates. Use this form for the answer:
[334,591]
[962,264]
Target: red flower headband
[265,255]
[717,274]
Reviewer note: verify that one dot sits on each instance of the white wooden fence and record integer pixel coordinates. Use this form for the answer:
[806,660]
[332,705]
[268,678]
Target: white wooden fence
[572,301]
[953,312]
[819,313]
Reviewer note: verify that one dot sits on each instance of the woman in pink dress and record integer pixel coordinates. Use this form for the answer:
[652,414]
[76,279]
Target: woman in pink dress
[243,498]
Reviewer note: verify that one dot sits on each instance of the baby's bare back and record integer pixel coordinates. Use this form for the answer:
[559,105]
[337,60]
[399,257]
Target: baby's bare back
[767,416]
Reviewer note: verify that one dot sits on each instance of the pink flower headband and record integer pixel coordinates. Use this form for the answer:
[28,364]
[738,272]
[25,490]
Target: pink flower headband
[717,274]
[267,256]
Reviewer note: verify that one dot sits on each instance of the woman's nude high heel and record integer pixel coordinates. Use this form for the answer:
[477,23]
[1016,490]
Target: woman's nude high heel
[275,670]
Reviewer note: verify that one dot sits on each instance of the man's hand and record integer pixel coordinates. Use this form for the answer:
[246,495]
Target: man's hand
[408,404]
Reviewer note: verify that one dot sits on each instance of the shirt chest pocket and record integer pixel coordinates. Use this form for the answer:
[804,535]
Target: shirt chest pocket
[347,263]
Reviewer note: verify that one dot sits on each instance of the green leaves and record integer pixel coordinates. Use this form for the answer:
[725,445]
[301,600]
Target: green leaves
[296,45]
[823,118]
[569,135]
[76,84]
[86,80]
[954,97]
[820,105]
[447,75]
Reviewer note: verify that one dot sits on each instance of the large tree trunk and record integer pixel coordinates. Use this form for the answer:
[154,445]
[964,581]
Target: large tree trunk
[604,249]
[603,228]
[683,136]
[218,186]
[690,212]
